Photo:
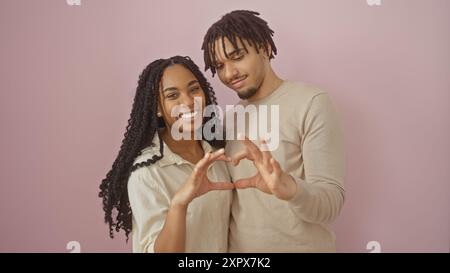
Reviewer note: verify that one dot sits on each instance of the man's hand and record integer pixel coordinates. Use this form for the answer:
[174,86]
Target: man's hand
[270,178]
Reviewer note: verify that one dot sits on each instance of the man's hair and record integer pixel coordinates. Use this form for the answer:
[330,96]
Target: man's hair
[238,24]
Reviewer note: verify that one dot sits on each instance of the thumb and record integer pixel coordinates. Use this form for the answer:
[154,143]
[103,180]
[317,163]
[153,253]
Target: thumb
[244,183]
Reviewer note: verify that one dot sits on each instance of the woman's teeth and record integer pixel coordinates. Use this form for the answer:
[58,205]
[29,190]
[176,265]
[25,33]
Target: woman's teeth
[189,115]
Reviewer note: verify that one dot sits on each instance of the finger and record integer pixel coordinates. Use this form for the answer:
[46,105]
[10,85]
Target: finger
[239,156]
[202,164]
[221,186]
[252,149]
[276,167]
[223,158]
[245,183]
[208,159]
[216,155]
[266,154]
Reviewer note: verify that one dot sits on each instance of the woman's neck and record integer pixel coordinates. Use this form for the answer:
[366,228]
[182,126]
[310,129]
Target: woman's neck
[186,148]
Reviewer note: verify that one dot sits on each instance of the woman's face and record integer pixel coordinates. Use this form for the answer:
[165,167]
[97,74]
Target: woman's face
[179,88]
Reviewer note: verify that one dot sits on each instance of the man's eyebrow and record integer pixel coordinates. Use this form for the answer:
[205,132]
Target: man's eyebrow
[231,54]
[236,51]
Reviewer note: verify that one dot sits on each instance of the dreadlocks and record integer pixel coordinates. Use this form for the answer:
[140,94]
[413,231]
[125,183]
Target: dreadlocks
[238,24]
[142,126]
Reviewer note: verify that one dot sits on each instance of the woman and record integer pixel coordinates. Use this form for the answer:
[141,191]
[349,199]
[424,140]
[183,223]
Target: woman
[159,187]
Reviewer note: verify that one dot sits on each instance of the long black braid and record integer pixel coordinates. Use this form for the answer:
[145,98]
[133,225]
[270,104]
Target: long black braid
[238,24]
[142,126]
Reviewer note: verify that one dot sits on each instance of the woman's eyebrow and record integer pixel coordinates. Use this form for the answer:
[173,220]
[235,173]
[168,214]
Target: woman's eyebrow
[176,89]
[170,89]
[192,82]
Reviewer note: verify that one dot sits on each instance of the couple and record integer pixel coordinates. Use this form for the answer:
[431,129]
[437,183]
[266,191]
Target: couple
[205,196]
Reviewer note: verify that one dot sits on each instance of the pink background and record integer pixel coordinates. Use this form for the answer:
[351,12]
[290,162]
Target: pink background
[68,76]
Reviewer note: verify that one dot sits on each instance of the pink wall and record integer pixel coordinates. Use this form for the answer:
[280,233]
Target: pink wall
[68,75]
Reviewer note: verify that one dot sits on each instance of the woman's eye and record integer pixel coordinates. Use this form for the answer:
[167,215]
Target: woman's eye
[219,67]
[172,96]
[195,89]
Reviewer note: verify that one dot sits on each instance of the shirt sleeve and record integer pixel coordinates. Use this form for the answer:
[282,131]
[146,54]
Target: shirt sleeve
[320,196]
[149,206]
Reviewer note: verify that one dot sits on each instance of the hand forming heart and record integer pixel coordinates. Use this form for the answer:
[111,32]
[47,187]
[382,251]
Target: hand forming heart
[270,178]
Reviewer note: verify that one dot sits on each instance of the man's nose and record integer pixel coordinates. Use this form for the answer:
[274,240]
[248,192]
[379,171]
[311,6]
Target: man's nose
[230,72]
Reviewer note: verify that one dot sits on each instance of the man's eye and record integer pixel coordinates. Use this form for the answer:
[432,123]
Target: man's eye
[238,57]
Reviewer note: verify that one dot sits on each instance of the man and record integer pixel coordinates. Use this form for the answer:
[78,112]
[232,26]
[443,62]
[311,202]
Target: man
[285,198]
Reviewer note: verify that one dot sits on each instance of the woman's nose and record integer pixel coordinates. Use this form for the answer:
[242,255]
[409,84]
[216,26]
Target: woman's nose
[188,100]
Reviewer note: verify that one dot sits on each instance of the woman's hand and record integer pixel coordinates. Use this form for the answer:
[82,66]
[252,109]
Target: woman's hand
[198,182]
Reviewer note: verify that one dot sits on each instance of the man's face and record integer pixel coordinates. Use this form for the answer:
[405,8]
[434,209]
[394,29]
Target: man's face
[242,71]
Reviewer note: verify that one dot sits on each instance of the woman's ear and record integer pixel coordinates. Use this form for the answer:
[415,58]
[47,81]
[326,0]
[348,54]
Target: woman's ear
[161,123]
[158,110]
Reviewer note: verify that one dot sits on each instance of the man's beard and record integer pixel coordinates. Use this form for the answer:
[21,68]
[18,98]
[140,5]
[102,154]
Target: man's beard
[247,93]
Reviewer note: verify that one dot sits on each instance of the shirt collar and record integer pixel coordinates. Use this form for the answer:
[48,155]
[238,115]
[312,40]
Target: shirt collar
[169,158]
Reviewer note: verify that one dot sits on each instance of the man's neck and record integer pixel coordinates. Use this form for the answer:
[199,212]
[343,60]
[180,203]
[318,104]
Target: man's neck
[270,83]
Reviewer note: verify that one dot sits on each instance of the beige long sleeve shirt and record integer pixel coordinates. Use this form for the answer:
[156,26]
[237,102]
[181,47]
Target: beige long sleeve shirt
[150,191]
[311,151]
